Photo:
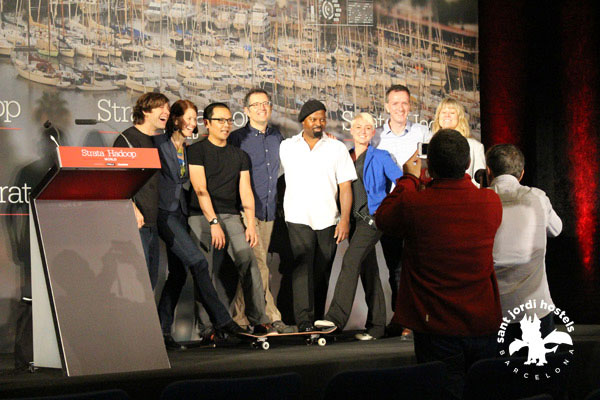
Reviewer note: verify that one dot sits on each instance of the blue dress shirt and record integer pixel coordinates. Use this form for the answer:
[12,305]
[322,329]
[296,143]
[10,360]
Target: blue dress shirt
[263,150]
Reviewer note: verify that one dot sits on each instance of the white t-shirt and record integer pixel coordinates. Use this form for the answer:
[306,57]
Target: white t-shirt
[312,178]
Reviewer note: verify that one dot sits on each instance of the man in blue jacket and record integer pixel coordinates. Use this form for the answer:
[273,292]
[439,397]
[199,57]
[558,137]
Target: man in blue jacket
[376,172]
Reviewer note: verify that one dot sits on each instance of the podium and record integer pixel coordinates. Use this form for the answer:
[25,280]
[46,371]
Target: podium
[93,306]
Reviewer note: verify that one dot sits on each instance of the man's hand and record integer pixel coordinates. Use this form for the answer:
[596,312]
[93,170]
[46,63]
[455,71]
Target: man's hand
[330,135]
[341,231]
[251,236]
[413,166]
[218,236]
[138,216]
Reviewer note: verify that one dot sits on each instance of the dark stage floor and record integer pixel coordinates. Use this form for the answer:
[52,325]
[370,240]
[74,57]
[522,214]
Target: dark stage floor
[316,365]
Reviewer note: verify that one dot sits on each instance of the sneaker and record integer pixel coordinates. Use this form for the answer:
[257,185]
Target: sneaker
[229,329]
[263,329]
[281,327]
[305,326]
[323,323]
[364,336]
[407,334]
[171,344]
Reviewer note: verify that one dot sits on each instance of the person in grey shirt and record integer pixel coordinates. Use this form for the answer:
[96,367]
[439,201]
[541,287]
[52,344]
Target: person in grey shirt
[520,243]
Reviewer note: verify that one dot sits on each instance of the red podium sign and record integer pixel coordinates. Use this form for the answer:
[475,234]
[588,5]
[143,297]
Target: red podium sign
[107,157]
[98,173]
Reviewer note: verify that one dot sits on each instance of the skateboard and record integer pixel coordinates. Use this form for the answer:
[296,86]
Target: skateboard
[311,337]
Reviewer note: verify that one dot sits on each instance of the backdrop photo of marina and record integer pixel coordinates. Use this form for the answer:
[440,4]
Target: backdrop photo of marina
[99,55]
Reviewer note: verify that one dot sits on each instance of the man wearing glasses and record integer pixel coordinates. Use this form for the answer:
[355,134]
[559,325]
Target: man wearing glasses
[260,141]
[220,174]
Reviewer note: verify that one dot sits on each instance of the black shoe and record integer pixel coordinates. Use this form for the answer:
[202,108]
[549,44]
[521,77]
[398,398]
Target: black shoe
[230,329]
[305,326]
[393,330]
[263,329]
[171,344]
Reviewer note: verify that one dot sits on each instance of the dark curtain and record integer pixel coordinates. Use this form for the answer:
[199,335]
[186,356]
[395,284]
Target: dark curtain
[540,89]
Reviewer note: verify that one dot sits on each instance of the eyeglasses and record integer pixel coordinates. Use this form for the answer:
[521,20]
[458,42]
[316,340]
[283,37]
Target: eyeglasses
[222,121]
[265,104]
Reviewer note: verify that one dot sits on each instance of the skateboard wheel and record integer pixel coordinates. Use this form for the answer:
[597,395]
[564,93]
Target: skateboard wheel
[254,345]
[265,345]
[322,341]
[308,341]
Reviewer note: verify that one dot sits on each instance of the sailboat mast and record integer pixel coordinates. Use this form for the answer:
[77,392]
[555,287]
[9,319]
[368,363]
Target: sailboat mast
[49,48]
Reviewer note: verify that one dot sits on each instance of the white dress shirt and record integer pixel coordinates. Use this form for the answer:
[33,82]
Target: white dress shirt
[312,178]
[477,154]
[401,146]
[520,244]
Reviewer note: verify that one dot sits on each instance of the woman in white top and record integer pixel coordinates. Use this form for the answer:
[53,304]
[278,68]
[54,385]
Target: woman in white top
[450,114]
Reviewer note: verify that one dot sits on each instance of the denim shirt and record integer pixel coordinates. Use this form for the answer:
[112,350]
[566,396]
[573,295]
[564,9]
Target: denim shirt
[263,150]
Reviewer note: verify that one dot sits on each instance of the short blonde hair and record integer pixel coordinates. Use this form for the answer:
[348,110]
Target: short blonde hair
[368,118]
[463,119]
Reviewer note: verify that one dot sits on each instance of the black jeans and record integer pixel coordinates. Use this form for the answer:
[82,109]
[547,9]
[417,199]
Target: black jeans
[151,246]
[183,253]
[457,352]
[360,260]
[314,252]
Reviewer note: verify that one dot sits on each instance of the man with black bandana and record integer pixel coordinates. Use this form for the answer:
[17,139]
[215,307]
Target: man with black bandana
[315,167]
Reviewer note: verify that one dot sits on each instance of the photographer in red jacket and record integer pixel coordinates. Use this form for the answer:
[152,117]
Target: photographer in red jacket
[448,292]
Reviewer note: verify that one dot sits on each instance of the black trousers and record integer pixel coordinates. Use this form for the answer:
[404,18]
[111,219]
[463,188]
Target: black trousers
[392,251]
[458,353]
[314,252]
[360,260]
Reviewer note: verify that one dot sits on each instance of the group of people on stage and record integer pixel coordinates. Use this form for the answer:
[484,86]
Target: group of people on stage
[454,250]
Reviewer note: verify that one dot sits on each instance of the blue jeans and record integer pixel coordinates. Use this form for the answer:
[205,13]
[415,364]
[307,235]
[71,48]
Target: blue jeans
[182,254]
[457,352]
[149,236]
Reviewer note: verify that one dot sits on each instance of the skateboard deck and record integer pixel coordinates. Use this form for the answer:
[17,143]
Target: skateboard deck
[311,337]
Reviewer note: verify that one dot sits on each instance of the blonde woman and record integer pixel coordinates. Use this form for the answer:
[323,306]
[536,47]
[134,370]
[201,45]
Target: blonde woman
[450,114]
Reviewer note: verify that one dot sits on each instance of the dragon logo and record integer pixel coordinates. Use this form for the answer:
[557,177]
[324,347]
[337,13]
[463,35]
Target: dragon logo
[532,338]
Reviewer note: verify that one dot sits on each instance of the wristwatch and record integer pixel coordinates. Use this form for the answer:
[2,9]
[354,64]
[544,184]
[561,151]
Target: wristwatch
[214,221]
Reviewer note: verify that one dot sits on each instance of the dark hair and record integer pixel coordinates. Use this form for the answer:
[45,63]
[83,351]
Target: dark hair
[176,117]
[505,159]
[145,103]
[254,91]
[396,88]
[448,154]
[208,111]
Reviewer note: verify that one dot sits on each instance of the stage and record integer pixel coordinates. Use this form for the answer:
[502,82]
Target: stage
[316,365]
